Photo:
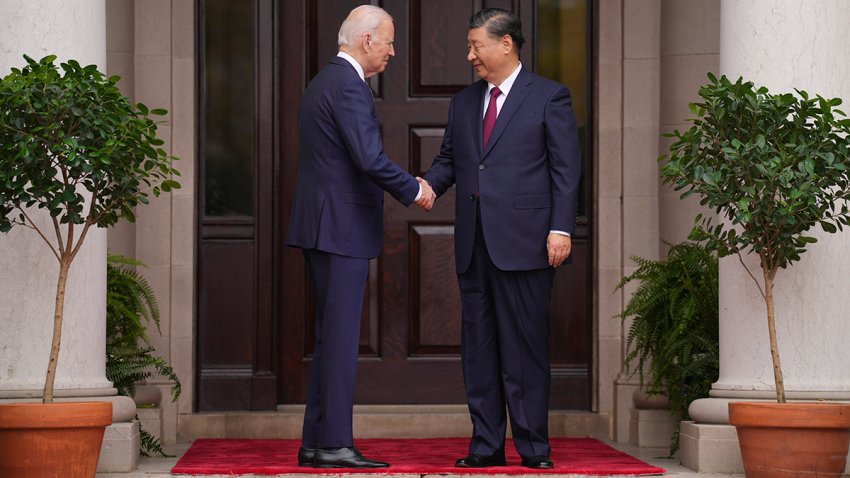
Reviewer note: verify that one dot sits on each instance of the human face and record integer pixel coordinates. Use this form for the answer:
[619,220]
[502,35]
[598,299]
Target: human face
[379,49]
[491,57]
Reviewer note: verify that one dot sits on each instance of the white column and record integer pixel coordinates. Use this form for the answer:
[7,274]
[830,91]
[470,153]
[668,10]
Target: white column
[787,44]
[70,29]
[780,44]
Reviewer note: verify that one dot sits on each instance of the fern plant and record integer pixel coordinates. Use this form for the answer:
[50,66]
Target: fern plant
[673,341]
[130,358]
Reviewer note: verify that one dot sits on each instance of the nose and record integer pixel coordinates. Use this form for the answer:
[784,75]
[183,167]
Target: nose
[470,56]
[392,50]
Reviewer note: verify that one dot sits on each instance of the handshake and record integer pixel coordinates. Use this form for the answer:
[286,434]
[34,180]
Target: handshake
[426,200]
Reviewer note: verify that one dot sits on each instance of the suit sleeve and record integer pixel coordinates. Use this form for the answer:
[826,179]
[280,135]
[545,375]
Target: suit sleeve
[564,160]
[441,174]
[358,124]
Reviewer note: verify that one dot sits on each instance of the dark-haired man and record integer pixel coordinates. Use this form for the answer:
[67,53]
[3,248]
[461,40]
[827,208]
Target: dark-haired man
[511,147]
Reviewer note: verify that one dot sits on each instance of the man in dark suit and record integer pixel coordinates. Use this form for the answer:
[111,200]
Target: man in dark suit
[337,220]
[511,147]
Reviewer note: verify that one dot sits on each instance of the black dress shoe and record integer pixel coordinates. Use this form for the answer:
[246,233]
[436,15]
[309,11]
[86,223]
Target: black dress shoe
[538,462]
[344,458]
[305,456]
[480,461]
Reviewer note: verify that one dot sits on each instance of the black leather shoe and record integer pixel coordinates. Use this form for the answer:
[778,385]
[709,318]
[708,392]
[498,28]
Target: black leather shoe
[344,458]
[305,456]
[538,462]
[480,461]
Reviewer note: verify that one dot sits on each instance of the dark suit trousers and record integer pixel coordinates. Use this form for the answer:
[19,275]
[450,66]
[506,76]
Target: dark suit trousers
[505,353]
[339,282]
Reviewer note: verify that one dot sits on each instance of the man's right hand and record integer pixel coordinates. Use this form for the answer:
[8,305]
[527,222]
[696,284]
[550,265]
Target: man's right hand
[426,200]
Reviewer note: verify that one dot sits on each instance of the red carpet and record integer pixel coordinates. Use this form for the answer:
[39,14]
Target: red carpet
[407,456]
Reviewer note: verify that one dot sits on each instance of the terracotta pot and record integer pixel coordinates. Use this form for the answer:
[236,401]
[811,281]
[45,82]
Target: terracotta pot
[780,440]
[59,440]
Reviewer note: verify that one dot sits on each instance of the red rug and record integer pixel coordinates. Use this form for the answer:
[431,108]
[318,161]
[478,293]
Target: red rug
[406,456]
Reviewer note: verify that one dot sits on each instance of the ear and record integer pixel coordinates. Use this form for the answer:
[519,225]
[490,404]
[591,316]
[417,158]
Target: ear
[366,41]
[507,43]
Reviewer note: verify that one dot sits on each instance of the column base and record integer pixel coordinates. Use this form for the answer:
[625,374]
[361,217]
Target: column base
[120,450]
[651,428]
[651,423]
[150,419]
[625,389]
[708,448]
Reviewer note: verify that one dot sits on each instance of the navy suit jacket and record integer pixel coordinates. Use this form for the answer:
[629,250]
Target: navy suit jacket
[527,177]
[342,168]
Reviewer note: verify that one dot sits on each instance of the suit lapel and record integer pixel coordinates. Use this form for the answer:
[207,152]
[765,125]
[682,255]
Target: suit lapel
[520,89]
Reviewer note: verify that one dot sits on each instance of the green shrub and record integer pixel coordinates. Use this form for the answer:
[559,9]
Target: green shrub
[130,307]
[674,332]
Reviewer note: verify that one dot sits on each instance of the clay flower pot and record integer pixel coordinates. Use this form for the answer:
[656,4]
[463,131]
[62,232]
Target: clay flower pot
[784,440]
[58,440]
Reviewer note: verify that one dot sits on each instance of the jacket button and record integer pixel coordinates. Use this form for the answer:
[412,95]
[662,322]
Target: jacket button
[472,197]
[481,167]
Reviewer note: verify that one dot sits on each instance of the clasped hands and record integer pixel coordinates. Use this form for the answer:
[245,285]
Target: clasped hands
[426,200]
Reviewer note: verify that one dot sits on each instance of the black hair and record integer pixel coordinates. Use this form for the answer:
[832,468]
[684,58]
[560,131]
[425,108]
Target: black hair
[499,23]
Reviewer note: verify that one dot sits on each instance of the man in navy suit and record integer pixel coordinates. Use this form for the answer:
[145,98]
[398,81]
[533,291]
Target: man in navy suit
[511,147]
[337,221]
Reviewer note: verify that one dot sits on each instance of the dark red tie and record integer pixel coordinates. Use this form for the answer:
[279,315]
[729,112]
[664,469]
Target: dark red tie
[490,115]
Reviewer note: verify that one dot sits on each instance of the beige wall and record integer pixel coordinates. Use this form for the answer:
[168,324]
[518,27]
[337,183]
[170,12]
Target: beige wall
[151,45]
[690,48]
[652,54]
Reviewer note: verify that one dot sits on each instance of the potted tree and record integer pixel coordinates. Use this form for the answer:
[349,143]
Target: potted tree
[773,166]
[71,146]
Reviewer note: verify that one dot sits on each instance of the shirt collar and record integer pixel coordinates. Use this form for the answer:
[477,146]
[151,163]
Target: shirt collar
[506,85]
[353,62]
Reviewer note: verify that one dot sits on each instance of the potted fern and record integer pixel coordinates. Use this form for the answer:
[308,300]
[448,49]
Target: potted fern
[131,307]
[672,342]
[71,146]
[773,166]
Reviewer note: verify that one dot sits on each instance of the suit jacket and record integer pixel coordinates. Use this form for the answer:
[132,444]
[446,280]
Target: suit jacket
[342,168]
[527,177]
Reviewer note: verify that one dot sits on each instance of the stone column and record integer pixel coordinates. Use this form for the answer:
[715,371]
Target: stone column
[70,29]
[639,180]
[780,44]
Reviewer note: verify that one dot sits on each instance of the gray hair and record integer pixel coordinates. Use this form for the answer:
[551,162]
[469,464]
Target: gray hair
[363,19]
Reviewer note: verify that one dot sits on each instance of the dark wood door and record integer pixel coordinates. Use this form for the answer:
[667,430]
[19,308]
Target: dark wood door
[410,331]
[236,353]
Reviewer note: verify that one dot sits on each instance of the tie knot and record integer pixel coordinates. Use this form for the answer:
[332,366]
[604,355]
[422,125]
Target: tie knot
[495,92]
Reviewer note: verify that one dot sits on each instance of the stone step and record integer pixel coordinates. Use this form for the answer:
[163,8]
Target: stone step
[375,421]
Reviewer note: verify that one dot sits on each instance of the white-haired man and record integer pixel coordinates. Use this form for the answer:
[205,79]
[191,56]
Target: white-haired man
[337,221]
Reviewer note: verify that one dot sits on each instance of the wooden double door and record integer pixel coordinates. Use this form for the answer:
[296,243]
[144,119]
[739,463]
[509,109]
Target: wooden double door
[255,304]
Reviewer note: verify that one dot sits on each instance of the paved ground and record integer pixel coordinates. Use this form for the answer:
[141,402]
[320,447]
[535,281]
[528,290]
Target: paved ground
[159,467]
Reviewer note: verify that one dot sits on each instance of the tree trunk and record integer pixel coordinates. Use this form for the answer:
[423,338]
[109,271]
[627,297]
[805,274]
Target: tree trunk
[59,310]
[774,346]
